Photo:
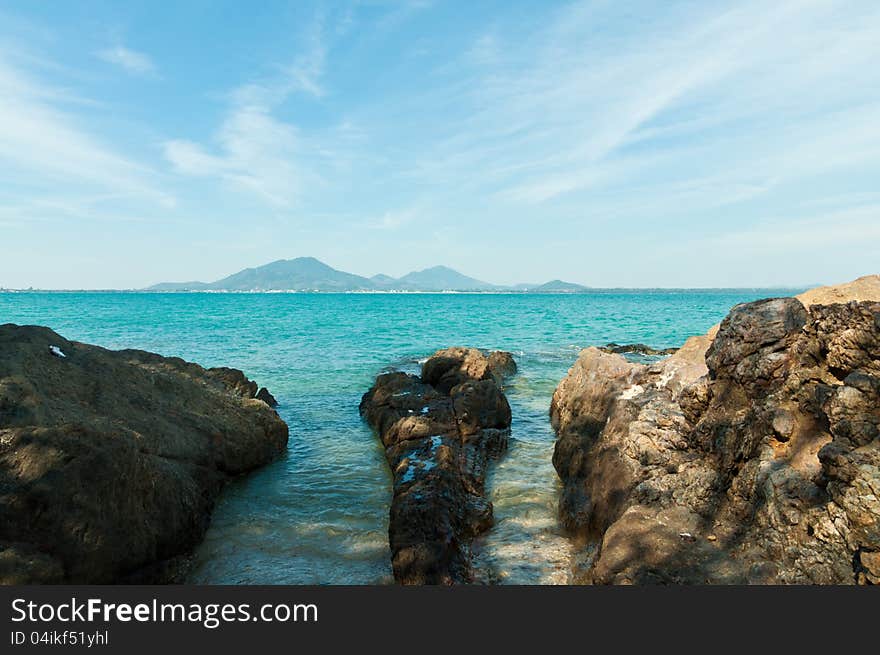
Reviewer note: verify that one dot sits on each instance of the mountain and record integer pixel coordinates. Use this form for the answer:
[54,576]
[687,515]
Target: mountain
[383,281]
[558,286]
[441,278]
[310,274]
[300,274]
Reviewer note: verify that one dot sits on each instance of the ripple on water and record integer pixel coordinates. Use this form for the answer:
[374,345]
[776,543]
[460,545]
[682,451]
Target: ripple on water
[526,545]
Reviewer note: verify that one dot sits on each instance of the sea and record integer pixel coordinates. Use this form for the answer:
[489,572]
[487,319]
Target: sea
[319,514]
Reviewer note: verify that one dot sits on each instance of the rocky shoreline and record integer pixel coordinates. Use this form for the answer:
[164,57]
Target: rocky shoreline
[440,430]
[111,461]
[751,455]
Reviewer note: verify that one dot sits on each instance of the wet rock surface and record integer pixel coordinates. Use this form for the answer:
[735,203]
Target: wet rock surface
[440,431]
[750,457]
[110,461]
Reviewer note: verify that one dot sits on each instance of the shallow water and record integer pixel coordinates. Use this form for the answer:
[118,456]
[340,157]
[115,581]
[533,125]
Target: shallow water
[319,514]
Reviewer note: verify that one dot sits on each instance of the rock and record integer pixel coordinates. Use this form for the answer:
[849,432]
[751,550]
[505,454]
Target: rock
[110,462]
[235,381]
[501,365]
[635,348]
[870,563]
[766,453]
[440,430]
[751,333]
[864,288]
[264,395]
[452,366]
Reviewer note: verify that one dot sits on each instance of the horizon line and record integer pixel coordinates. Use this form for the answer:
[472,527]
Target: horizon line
[501,291]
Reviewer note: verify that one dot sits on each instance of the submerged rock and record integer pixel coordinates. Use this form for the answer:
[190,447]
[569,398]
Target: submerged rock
[440,430]
[110,461]
[749,456]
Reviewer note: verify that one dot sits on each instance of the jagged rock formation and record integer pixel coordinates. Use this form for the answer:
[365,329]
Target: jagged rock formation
[440,430]
[749,456]
[110,462]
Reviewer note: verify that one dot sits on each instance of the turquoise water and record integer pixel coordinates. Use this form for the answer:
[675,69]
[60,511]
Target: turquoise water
[319,514]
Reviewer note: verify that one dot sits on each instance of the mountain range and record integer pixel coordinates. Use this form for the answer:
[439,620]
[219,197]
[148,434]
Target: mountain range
[310,274]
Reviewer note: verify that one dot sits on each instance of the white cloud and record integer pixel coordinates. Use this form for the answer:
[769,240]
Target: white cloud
[305,73]
[256,152]
[674,96]
[130,60]
[39,135]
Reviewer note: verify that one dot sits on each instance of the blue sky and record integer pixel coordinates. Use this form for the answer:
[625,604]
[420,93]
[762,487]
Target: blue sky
[606,143]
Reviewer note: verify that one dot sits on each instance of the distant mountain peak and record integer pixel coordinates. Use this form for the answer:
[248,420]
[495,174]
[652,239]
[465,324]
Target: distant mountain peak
[311,274]
[382,279]
[558,286]
[443,278]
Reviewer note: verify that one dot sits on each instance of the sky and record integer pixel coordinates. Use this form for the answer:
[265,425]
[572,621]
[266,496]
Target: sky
[634,144]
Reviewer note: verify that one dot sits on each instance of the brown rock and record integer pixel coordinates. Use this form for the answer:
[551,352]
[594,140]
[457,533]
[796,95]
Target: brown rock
[502,365]
[865,288]
[110,461]
[452,366]
[774,452]
[870,562]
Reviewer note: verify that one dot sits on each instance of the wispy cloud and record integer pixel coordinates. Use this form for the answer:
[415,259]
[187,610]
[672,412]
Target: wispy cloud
[578,107]
[131,61]
[255,150]
[256,153]
[305,73]
[43,142]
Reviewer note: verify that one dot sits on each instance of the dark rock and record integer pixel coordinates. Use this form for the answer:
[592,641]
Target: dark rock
[440,431]
[479,405]
[110,462]
[264,395]
[635,348]
[235,381]
[767,455]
